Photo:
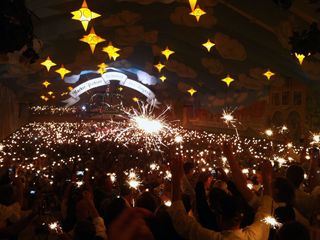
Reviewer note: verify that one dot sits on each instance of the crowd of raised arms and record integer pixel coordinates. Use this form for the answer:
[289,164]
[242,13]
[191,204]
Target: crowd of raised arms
[85,181]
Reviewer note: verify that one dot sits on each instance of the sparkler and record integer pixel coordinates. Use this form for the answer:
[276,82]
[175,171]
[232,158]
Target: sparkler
[315,139]
[133,180]
[272,222]
[55,226]
[178,139]
[229,119]
[269,132]
[144,125]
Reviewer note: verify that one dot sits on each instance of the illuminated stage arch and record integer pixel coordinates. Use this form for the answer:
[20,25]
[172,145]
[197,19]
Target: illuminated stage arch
[105,80]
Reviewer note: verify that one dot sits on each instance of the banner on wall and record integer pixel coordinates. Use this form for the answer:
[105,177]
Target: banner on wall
[104,80]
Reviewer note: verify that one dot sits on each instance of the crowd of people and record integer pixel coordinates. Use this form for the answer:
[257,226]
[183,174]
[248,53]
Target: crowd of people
[93,180]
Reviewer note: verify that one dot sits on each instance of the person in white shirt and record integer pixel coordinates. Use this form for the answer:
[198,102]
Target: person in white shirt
[188,228]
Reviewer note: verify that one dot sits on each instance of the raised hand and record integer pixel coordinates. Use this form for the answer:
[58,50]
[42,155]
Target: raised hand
[130,225]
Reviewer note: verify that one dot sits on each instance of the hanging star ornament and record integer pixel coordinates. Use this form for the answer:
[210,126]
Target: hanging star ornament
[84,15]
[228,80]
[135,99]
[46,84]
[192,4]
[50,93]
[167,52]
[192,91]
[62,71]
[111,51]
[208,45]
[120,89]
[269,74]
[300,57]
[163,78]
[102,68]
[159,66]
[92,39]
[48,64]
[197,12]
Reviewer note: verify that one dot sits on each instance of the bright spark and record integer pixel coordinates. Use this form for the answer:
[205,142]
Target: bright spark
[272,222]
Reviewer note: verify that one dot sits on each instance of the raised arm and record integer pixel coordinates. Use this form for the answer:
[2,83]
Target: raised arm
[237,176]
[187,227]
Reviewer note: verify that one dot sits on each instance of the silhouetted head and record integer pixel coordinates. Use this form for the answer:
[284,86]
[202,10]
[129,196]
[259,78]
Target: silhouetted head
[295,174]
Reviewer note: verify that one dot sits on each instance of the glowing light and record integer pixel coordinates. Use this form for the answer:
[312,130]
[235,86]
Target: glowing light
[315,138]
[111,51]
[148,125]
[269,74]
[283,129]
[272,222]
[144,124]
[50,93]
[178,139]
[159,66]
[300,57]
[208,45]
[269,132]
[79,184]
[46,84]
[48,64]
[92,39]
[167,52]
[228,80]
[163,78]
[84,15]
[168,203]
[135,99]
[193,4]
[102,68]
[133,180]
[197,12]
[229,119]
[192,91]
[62,71]
[113,177]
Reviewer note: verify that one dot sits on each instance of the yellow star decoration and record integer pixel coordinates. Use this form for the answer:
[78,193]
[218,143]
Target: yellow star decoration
[228,80]
[197,12]
[135,99]
[62,71]
[167,52]
[48,64]
[46,84]
[84,15]
[120,89]
[102,68]
[268,74]
[163,78]
[92,39]
[300,57]
[64,93]
[50,93]
[192,91]
[70,88]
[112,51]
[192,3]
[208,45]
[159,66]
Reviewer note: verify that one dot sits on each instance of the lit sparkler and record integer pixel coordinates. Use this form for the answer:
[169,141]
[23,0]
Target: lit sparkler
[55,226]
[133,180]
[315,139]
[144,125]
[229,119]
[272,222]
[269,132]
